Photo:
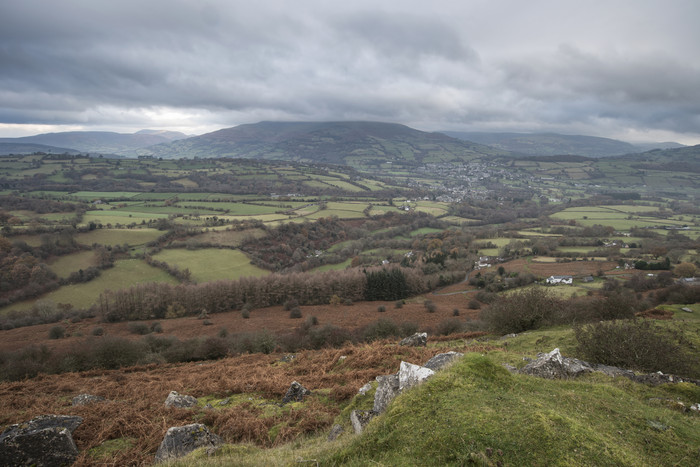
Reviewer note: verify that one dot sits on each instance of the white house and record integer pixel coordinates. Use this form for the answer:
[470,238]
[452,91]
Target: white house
[554,280]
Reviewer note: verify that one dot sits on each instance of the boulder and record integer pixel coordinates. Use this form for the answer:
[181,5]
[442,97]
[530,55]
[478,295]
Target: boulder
[365,389]
[43,441]
[387,389]
[181,440]
[553,366]
[411,375]
[295,393]
[441,360]
[657,378]
[85,399]
[419,339]
[179,400]
[336,431]
[360,419]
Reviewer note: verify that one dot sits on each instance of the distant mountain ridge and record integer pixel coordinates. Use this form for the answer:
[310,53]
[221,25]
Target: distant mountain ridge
[349,143]
[101,142]
[553,144]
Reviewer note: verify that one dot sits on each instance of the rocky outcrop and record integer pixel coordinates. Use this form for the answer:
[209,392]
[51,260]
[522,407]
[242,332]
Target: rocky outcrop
[387,389]
[419,339]
[182,440]
[295,393]
[86,399]
[553,365]
[412,375]
[336,431]
[440,361]
[360,419]
[179,400]
[43,441]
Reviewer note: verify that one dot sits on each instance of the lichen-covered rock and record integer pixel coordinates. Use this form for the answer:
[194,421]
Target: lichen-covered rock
[365,389]
[387,389]
[179,400]
[44,441]
[336,431]
[553,366]
[411,375]
[360,419]
[441,360]
[419,339]
[295,393]
[85,399]
[182,440]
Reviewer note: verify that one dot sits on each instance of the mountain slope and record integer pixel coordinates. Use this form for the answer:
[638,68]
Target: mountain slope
[30,148]
[105,142]
[549,144]
[347,143]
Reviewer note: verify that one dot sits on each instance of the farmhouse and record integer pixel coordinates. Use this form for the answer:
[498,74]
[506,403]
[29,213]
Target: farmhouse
[554,280]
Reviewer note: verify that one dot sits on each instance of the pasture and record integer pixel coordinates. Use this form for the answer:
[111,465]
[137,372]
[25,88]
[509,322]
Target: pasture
[211,264]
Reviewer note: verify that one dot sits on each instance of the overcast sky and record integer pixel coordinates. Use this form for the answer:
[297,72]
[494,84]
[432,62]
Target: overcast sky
[626,69]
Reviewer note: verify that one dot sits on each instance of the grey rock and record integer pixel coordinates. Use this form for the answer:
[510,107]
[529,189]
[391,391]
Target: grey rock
[660,378]
[686,309]
[179,400]
[509,367]
[553,366]
[86,399]
[387,389]
[43,441]
[695,407]
[336,431]
[440,361]
[181,440]
[360,419]
[295,393]
[365,389]
[419,339]
[611,370]
[412,375]
[288,358]
[226,401]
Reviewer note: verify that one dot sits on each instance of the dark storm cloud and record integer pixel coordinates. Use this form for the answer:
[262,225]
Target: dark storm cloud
[603,68]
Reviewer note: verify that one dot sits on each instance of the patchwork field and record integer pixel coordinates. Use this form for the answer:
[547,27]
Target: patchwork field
[211,264]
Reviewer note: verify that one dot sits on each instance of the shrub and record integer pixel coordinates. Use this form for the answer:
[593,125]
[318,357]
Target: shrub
[520,311]
[245,314]
[474,304]
[291,304]
[138,328]
[98,331]
[311,321]
[399,303]
[449,326]
[212,348]
[335,300]
[381,308]
[223,333]
[430,306]
[115,352]
[328,335]
[157,328]
[380,329]
[407,328]
[634,344]
[57,332]
[347,302]
[295,313]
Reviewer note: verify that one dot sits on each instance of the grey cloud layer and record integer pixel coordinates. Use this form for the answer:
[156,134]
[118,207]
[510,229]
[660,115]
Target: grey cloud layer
[510,65]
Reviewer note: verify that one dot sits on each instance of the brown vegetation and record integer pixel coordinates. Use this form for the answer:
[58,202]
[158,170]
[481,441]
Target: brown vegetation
[136,395]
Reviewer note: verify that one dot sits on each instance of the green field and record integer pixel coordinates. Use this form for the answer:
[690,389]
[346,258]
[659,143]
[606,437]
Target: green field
[64,265]
[211,264]
[111,237]
[125,273]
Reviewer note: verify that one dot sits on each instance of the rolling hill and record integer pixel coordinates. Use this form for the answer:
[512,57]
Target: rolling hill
[101,142]
[549,144]
[359,144]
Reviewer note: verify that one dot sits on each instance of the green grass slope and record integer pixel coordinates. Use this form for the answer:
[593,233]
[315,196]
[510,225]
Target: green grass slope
[346,143]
